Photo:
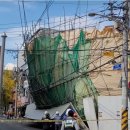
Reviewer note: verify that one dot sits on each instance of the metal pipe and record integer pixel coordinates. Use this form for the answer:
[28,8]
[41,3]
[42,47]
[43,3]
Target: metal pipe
[2,67]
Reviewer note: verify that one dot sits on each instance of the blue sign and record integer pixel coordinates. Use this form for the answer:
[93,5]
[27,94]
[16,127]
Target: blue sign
[117,67]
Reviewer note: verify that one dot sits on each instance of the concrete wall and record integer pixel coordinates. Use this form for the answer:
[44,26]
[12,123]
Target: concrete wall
[109,113]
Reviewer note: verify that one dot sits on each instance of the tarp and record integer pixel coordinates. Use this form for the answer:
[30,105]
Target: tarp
[33,113]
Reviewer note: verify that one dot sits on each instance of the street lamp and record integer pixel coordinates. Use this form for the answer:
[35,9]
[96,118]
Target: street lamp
[92,14]
[110,18]
[118,25]
[17,84]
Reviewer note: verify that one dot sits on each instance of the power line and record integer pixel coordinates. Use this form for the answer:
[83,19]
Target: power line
[48,5]
[101,49]
[36,20]
[21,19]
[25,21]
[18,27]
[68,80]
[43,1]
[92,62]
[85,66]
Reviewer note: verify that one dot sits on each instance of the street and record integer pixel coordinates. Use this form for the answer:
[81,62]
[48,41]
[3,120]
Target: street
[19,126]
[64,64]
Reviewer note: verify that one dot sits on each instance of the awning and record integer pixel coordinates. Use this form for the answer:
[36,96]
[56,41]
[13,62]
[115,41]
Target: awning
[35,114]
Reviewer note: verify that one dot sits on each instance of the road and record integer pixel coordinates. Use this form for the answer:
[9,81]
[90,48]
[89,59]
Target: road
[19,126]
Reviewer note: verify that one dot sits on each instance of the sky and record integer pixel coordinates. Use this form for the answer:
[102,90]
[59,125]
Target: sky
[12,12]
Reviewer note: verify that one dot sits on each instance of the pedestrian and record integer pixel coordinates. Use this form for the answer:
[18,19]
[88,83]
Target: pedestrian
[4,114]
[11,115]
[57,122]
[19,114]
[70,123]
[65,115]
[8,114]
[47,124]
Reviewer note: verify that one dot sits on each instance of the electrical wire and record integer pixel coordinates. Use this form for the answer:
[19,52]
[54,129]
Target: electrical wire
[68,80]
[75,50]
[44,18]
[82,67]
[48,5]
[101,49]
[25,21]
[20,15]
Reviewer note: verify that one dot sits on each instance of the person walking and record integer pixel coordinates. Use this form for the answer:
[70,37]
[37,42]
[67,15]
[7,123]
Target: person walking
[47,124]
[57,122]
[70,123]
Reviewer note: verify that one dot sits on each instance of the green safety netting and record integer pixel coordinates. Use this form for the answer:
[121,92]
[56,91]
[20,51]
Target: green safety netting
[53,67]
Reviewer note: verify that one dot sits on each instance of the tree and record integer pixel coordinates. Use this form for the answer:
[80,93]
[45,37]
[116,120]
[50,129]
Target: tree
[9,85]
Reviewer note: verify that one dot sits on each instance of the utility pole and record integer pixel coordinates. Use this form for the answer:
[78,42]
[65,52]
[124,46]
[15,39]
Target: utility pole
[125,24]
[16,87]
[124,118]
[1,67]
